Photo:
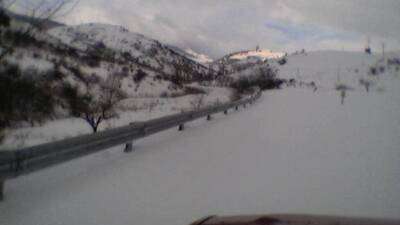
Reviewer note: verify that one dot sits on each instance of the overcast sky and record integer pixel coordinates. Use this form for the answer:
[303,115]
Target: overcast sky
[217,27]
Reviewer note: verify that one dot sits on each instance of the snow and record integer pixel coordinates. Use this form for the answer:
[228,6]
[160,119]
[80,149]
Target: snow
[27,62]
[262,54]
[294,151]
[326,68]
[200,58]
[192,54]
[245,62]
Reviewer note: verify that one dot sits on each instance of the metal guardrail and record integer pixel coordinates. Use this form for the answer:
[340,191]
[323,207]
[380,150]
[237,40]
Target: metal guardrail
[293,219]
[30,159]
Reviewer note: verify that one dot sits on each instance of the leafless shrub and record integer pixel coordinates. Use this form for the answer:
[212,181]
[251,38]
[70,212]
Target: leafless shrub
[152,105]
[95,109]
[42,11]
[198,102]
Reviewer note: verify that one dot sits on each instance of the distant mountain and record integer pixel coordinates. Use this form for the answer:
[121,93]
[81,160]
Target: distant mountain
[239,61]
[260,54]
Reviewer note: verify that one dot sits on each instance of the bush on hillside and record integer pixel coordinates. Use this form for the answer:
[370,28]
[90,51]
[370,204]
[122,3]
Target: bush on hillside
[373,71]
[282,61]
[127,56]
[92,60]
[71,96]
[98,52]
[139,76]
[264,78]
[77,73]
[20,38]
[4,19]
[22,97]
[242,84]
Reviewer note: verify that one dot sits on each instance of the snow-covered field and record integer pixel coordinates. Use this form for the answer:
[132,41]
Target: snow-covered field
[294,151]
[326,68]
[261,54]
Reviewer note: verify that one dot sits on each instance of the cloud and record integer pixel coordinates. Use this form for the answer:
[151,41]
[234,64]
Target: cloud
[377,18]
[300,32]
[295,32]
[219,27]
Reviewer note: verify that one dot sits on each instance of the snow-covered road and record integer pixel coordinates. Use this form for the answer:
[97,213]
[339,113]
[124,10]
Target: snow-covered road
[295,151]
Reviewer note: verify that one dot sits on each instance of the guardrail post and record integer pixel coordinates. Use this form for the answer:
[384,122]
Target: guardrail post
[236,108]
[181,127]
[128,147]
[1,190]
[209,117]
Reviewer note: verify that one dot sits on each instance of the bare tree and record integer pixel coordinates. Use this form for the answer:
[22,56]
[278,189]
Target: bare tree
[5,48]
[95,110]
[40,11]
[198,102]
[44,10]
[366,83]
[98,102]
[4,4]
[178,77]
[152,105]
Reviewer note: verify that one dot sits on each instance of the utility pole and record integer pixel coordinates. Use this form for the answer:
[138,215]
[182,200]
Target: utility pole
[383,51]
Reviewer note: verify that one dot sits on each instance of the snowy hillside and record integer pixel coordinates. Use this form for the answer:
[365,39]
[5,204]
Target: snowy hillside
[84,64]
[200,58]
[129,45]
[189,53]
[240,61]
[262,54]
